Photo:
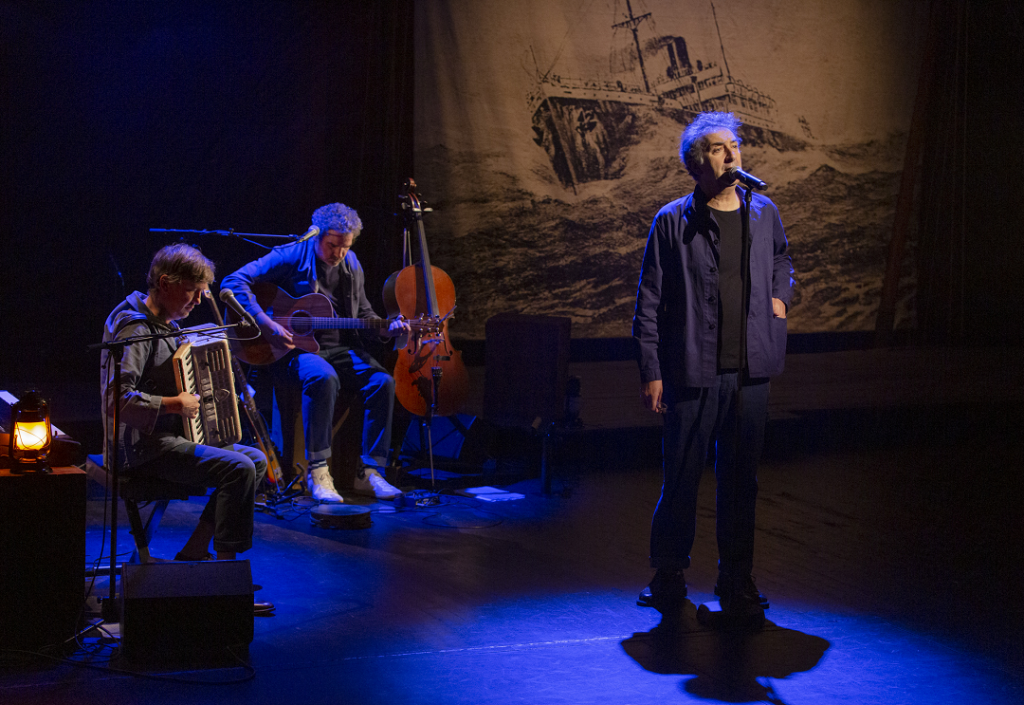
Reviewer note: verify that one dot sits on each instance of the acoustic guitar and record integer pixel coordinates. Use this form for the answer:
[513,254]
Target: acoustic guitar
[302,317]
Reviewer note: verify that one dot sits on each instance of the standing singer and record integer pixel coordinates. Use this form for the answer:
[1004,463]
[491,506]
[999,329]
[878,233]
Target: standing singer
[689,329]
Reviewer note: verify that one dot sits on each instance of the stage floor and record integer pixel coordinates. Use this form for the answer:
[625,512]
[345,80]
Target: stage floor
[889,542]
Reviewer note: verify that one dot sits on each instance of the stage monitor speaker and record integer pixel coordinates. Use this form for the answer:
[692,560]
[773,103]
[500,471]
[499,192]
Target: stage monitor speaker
[185,609]
[527,360]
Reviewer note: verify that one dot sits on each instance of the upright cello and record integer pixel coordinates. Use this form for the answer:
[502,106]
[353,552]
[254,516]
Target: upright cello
[430,379]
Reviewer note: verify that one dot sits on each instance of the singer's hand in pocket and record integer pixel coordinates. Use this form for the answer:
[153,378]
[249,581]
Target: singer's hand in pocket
[778,308]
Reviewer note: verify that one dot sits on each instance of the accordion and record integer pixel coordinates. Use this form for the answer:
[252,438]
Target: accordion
[202,366]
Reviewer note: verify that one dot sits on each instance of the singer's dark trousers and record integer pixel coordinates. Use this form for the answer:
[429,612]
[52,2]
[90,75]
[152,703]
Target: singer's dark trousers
[737,423]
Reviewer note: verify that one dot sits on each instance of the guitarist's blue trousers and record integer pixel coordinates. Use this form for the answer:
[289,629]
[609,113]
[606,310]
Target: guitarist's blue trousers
[320,376]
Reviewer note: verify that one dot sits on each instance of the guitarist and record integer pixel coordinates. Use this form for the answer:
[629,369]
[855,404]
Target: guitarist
[325,264]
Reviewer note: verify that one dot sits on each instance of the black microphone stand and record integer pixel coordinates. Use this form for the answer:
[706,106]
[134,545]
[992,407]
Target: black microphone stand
[745,273]
[247,237]
[743,367]
[225,233]
[428,420]
[109,609]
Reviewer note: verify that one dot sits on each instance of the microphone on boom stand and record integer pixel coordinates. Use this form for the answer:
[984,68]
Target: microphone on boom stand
[312,232]
[748,180]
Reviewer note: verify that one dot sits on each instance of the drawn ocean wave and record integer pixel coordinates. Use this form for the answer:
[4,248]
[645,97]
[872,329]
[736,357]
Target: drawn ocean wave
[509,247]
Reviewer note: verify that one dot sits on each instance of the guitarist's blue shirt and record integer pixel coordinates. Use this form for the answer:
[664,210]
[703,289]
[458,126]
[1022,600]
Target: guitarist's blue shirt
[293,268]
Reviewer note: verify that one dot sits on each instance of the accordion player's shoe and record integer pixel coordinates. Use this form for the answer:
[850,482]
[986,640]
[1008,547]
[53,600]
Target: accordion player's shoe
[182,557]
[321,484]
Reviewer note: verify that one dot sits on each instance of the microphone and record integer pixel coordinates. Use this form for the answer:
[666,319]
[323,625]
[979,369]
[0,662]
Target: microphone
[228,297]
[312,232]
[748,180]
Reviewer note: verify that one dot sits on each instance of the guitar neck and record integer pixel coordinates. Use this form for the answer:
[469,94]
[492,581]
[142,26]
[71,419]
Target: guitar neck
[330,323]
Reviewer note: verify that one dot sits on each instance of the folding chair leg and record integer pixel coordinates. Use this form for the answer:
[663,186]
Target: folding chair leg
[144,533]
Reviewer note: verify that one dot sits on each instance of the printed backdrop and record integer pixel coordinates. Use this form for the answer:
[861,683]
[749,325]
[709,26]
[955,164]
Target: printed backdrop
[547,134]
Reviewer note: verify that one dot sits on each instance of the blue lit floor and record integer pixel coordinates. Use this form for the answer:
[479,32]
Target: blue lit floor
[893,566]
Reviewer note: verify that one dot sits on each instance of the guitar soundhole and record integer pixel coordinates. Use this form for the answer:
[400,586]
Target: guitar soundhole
[301,323]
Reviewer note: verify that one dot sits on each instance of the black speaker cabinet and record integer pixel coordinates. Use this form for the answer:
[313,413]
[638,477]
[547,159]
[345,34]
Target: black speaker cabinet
[42,556]
[527,360]
[185,610]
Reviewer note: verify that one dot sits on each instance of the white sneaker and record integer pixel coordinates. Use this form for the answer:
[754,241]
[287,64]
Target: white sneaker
[321,484]
[373,485]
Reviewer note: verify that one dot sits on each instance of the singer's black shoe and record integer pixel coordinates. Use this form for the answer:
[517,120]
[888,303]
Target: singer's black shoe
[747,588]
[742,605]
[667,587]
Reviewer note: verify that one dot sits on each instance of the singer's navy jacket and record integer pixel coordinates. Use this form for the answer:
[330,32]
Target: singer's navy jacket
[675,324]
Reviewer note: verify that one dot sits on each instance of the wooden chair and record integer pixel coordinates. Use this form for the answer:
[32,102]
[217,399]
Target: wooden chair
[141,490]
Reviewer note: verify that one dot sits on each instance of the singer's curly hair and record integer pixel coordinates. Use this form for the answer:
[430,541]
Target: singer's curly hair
[337,216]
[180,262]
[693,144]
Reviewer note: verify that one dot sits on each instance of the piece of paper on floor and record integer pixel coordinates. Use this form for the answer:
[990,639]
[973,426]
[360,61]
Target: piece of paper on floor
[492,494]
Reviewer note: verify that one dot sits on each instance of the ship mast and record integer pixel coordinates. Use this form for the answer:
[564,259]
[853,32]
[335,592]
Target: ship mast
[632,23]
[728,74]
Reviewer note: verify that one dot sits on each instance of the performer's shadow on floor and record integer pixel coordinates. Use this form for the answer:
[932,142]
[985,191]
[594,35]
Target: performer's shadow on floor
[726,665]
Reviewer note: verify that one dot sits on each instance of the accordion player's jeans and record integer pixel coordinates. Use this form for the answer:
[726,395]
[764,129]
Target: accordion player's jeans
[234,473]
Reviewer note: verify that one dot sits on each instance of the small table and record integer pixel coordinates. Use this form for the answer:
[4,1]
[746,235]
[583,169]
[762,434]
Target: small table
[42,556]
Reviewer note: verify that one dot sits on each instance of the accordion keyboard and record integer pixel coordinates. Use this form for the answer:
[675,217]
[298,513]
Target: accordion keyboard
[202,366]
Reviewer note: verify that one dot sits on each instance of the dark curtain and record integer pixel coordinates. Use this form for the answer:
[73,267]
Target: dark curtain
[118,117]
[969,249]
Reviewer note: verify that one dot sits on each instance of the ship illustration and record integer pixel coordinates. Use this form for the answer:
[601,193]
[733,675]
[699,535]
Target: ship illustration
[584,125]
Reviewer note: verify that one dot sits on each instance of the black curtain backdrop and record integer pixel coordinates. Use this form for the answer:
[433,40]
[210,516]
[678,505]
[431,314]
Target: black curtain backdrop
[118,117]
[971,251]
